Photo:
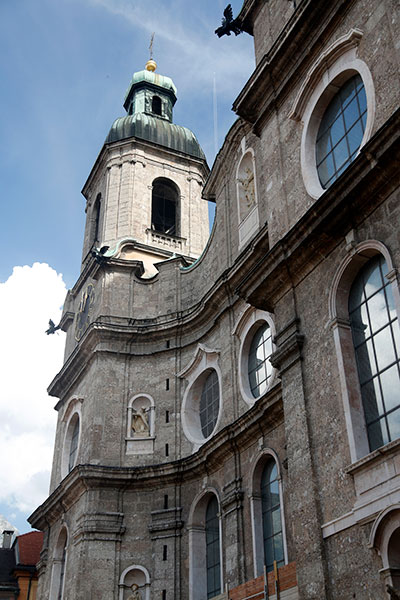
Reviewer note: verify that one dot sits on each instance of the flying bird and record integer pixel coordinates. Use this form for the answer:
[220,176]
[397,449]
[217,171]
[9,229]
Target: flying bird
[228,23]
[52,327]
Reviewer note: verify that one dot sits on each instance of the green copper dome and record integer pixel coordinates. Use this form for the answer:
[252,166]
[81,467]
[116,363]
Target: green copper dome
[149,102]
[154,79]
[156,130]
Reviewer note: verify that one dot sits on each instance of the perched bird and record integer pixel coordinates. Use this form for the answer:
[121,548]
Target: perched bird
[99,254]
[52,327]
[228,24]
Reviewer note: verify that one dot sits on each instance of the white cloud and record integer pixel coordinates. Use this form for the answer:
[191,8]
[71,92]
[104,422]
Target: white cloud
[29,360]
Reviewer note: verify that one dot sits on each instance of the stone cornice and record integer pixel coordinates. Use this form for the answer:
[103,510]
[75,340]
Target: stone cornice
[266,414]
[102,156]
[282,62]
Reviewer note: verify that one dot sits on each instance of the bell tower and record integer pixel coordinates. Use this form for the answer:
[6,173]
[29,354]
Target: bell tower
[144,191]
[117,390]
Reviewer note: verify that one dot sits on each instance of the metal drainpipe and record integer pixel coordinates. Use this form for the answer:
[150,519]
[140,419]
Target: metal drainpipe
[29,586]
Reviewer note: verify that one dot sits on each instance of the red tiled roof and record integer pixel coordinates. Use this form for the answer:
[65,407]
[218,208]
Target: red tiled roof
[29,547]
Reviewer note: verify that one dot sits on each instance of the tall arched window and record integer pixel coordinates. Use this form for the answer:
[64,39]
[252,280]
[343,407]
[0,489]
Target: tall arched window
[205,559]
[164,206]
[271,516]
[376,338]
[156,105]
[74,446]
[213,561]
[59,565]
[95,221]
[62,571]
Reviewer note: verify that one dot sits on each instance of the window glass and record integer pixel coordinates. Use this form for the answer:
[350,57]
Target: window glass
[376,339]
[271,516]
[259,365]
[62,572]
[164,205]
[341,131]
[74,446]
[213,549]
[209,404]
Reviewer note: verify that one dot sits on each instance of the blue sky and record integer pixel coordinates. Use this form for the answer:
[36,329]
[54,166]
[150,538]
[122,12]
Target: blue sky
[64,67]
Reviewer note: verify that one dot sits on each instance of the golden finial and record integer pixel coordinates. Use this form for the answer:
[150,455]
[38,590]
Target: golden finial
[151,64]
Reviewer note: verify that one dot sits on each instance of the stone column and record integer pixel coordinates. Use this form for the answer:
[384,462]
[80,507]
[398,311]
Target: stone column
[302,493]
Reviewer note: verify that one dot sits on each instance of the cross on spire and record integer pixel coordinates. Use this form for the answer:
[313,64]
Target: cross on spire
[151,45]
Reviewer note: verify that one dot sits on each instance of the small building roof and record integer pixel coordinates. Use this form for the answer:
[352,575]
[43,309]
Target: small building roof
[29,547]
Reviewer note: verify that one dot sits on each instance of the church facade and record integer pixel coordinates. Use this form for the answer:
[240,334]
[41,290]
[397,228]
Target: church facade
[229,406]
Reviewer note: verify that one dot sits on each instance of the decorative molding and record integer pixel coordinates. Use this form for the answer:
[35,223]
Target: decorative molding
[101,526]
[166,523]
[289,342]
[322,64]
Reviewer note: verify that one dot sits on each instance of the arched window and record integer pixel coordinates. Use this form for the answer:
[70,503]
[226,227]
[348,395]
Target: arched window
[259,365]
[271,516]
[376,339]
[74,446]
[164,206]
[95,237]
[156,105]
[62,571]
[59,565]
[385,538]
[341,131]
[72,436]
[213,561]
[205,559]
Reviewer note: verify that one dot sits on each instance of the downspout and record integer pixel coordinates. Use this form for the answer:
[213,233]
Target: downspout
[29,586]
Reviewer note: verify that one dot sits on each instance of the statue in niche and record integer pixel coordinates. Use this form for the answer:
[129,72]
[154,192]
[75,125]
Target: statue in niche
[136,595]
[247,191]
[140,421]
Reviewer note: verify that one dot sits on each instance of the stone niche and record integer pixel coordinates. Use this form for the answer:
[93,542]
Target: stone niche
[140,425]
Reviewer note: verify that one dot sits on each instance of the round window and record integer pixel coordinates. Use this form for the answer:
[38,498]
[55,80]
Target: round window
[341,131]
[259,365]
[209,404]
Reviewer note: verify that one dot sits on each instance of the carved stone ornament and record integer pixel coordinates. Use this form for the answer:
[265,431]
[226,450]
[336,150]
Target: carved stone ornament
[136,595]
[140,421]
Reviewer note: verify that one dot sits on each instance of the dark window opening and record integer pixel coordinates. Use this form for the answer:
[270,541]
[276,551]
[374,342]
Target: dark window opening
[165,501]
[167,384]
[167,416]
[156,105]
[213,563]
[96,220]
[166,449]
[73,449]
[271,517]
[164,595]
[164,207]
[165,551]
